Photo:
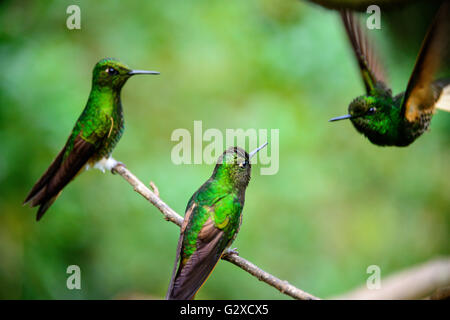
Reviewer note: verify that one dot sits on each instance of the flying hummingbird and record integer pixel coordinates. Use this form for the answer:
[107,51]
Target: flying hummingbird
[211,223]
[93,137]
[388,120]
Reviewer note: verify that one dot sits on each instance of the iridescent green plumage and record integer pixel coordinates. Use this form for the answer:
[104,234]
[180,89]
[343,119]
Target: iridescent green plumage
[101,122]
[212,221]
[94,136]
[388,120]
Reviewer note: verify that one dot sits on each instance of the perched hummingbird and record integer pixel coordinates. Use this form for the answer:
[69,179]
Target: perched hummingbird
[93,137]
[211,223]
[398,121]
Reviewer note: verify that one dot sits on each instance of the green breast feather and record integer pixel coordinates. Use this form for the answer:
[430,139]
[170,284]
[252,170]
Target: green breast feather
[223,208]
[100,124]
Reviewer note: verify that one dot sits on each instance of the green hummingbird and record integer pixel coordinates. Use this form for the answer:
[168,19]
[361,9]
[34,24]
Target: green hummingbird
[93,138]
[399,120]
[211,222]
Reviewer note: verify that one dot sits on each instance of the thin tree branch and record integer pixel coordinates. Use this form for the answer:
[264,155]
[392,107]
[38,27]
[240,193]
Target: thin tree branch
[413,283]
[230,256]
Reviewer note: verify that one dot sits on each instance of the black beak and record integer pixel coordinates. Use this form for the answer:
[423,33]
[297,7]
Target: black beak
[347,116]
[133,72]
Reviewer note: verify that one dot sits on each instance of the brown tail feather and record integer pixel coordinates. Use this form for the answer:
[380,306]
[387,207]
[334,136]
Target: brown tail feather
[193,274]
[44,207]
[36,193]
[59,174]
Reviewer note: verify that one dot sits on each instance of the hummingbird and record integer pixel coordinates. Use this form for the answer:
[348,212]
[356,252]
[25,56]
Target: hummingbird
[388,120]
[211,222]
[93,138]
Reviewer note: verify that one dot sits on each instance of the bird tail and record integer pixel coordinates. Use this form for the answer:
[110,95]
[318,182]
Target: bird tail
[443,88]
[40,193]
[190,287]
[62,170]
[44,206]
[194,272]
[174,271]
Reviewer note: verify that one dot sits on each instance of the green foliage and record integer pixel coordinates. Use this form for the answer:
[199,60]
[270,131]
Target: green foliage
[337,205]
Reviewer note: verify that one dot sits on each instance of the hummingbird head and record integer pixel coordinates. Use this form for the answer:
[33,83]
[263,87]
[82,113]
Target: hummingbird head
[234,166]
[362,108]
[373,117]
[112,73]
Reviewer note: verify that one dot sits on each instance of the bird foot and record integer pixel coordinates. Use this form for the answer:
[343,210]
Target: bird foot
[106,164]
[113,164]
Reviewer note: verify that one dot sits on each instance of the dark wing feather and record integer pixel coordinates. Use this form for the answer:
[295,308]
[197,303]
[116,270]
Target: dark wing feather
[193,273]
[59,174]
[420,95]
[369,64]
[190,208]
[46,176]
[441,90]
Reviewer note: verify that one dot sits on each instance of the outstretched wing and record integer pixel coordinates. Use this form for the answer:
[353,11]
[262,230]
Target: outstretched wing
[421,95]
[371,69]
[62,170]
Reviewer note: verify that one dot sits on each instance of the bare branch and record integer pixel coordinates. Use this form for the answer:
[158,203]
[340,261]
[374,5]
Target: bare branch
[140,188]
[283,286]
[440,294]
[230,255]
[413,283]
[154,188]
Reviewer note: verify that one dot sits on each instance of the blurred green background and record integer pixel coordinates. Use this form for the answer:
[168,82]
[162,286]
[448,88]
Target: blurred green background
[337,205]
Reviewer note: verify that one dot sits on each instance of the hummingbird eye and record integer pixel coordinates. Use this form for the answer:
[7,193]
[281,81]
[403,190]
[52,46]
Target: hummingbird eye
[111,71]
[243,164]
[372,110]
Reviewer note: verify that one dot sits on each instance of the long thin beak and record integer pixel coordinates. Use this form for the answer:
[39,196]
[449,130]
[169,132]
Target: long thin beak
[133,72]
[256,150]
[347,116]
